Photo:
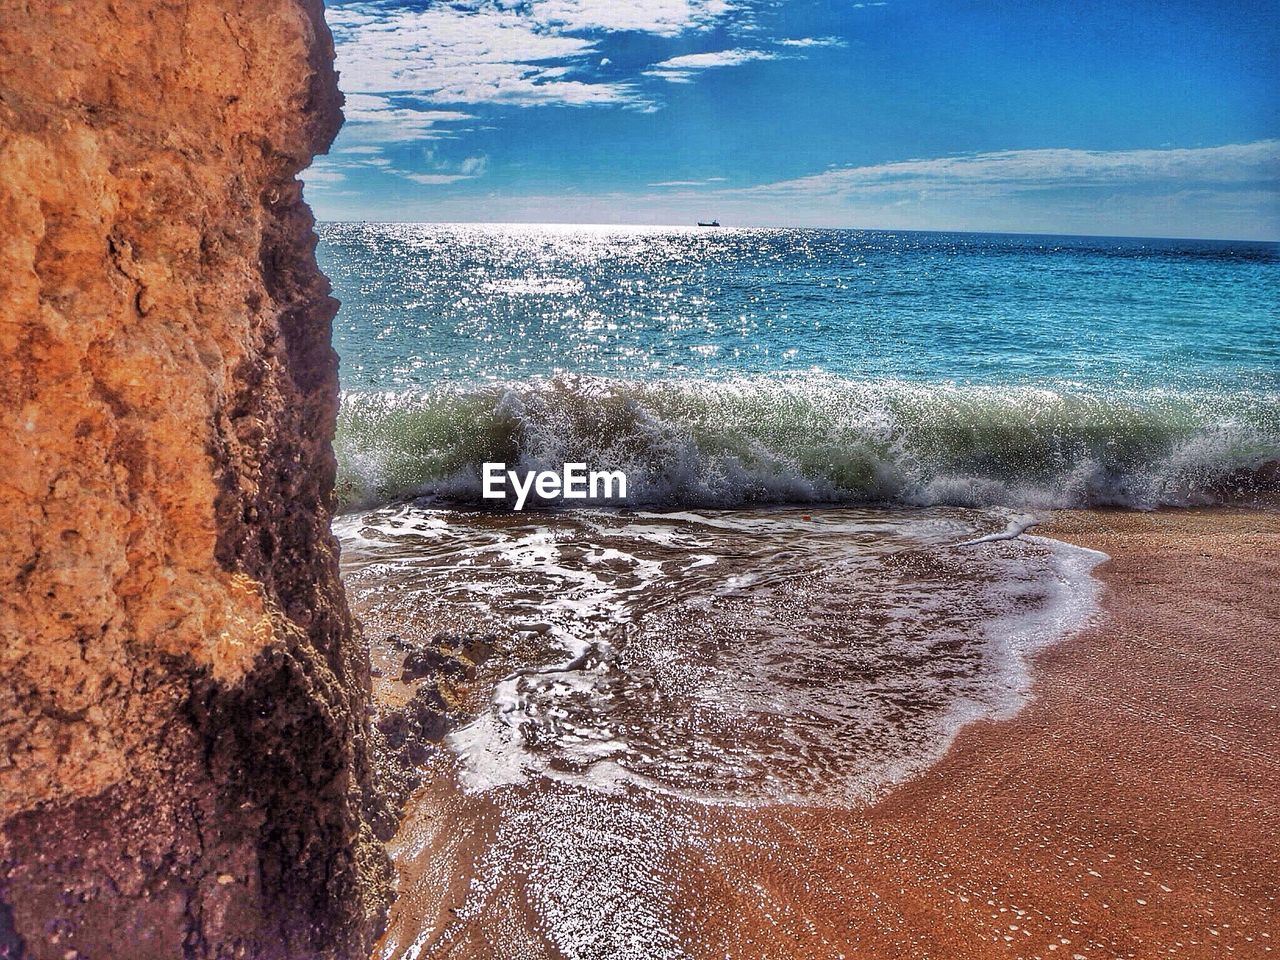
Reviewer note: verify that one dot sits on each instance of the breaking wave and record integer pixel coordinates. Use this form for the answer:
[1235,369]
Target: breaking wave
[819,439]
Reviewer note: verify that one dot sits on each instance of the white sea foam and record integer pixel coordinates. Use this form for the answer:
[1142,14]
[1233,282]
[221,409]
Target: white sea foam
[819,439]
[760,656]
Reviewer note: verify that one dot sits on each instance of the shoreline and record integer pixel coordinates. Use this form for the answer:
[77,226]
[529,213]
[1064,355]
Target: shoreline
[1118,813]
[1122,812]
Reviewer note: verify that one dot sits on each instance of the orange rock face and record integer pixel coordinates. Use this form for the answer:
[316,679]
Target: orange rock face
[183,701]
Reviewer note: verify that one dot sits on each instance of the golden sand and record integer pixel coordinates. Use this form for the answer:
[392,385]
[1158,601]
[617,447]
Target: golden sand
[1130,810]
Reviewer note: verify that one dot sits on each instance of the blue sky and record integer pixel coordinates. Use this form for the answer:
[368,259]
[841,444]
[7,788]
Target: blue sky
[1075,116]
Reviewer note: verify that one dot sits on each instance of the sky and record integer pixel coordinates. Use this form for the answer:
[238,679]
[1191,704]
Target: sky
[1117,117]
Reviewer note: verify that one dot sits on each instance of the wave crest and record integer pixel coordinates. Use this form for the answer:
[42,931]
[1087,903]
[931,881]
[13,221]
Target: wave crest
[818,439]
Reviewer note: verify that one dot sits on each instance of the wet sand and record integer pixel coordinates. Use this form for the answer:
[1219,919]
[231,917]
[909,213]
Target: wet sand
[1130,810]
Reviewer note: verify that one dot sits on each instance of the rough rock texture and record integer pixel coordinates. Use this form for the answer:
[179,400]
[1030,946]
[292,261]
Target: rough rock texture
[184,762]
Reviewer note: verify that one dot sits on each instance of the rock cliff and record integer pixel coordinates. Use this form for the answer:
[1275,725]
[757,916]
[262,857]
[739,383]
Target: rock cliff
[184,762]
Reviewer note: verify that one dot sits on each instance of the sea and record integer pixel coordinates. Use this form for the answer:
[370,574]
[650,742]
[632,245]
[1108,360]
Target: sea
[838,445]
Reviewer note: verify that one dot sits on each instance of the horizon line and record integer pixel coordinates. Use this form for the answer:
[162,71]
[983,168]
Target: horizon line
[695,226]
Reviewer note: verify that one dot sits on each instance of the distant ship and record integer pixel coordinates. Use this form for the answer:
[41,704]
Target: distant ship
[708,223]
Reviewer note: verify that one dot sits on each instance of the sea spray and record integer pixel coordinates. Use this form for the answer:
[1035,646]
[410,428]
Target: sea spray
[818,438]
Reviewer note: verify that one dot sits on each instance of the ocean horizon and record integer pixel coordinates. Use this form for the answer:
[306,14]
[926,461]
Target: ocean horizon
[621,225]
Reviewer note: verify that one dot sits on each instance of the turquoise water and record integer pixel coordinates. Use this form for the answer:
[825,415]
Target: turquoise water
[725,367]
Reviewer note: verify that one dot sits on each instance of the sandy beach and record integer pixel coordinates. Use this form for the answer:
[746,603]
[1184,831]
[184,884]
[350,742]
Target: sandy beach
[1128,811]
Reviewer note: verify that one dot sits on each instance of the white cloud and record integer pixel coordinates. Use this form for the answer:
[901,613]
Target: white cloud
[683,69]
[1230,191]
[475,52]
[432,178]
[362,155]
[501,51]
[369,158]
[442,171]
[1001,172]
[688,183]
[666,18]
[323,172]
[369,108]
[811,42]
[373,119]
